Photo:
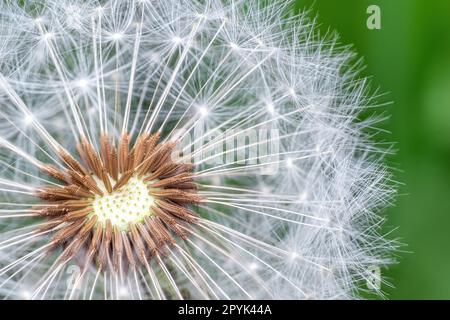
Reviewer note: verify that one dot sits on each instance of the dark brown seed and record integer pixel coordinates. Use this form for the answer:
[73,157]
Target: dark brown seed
[56,173]
[123,180]
[183,177]
[71,162]
[179,211]
[79,214]
[124,149]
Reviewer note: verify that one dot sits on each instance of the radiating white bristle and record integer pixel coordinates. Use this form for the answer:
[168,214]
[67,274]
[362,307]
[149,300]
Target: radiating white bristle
[291,206]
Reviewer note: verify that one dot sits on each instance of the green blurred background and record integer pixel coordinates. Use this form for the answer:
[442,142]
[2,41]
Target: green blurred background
[409,59]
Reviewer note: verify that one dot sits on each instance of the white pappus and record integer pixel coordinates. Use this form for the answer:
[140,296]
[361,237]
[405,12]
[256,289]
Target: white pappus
[184,149]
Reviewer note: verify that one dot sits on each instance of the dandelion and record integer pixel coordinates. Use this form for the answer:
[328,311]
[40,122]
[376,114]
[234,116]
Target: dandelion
[183,149]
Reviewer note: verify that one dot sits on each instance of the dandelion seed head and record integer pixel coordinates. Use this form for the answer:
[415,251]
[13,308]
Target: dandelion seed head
[184,149]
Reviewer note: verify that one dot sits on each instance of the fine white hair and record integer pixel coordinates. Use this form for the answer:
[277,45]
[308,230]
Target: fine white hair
[308,227]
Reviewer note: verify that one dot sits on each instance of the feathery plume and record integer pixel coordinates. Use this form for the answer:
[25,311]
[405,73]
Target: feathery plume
[183,149]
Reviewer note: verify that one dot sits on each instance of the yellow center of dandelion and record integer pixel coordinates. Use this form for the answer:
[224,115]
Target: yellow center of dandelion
[131,203]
